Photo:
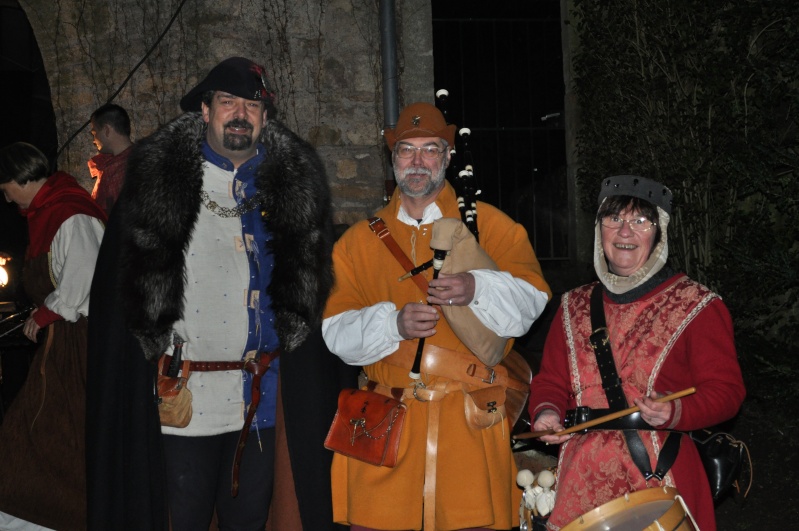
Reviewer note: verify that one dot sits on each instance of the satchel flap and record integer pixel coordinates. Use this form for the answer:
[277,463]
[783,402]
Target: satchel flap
[488,398]
[367,427]
[518,368]
[366,412]
[168,386]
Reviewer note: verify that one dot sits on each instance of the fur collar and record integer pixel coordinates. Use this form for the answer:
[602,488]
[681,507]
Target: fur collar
[160,205]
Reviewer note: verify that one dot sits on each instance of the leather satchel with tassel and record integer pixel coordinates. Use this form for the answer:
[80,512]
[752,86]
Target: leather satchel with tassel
[367,427]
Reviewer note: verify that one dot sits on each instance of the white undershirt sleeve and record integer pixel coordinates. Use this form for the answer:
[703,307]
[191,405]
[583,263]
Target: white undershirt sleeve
[365,336]
[506,305]
[73,254]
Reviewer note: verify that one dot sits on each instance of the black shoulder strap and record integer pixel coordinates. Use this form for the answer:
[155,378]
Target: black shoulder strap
[600,342]
[611,383]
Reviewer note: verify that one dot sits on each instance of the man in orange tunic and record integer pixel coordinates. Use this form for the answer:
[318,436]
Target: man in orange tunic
[448,475]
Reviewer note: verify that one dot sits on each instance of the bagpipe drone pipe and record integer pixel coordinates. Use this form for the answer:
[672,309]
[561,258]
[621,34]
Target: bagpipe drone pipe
[464,179]
[461,169]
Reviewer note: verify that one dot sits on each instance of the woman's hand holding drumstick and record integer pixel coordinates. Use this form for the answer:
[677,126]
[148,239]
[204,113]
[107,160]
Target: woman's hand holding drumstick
[611,416]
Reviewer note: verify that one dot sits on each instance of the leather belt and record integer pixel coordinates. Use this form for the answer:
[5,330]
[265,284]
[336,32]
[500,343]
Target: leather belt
[378,226]
[611,384]
[423,394]
[207,366]
[454,365]
[583,414]
[668,452]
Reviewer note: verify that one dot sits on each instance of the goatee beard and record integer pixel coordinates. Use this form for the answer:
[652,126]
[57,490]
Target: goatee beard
[235,142]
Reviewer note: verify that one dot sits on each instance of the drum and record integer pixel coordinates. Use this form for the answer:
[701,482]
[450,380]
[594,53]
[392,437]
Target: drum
[655,509]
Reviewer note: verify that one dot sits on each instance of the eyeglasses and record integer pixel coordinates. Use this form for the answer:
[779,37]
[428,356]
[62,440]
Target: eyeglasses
[406,151]
[636,225]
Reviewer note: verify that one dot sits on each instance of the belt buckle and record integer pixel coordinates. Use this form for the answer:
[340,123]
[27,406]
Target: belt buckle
[576,416]
[383,232]
[599,336]
[491,375]
[416,386]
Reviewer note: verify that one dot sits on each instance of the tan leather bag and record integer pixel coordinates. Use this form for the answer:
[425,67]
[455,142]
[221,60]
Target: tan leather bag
[465,254]
[174,398]
[485,407]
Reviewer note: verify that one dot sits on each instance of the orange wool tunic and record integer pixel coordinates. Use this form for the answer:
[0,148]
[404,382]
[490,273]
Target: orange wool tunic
[476,473]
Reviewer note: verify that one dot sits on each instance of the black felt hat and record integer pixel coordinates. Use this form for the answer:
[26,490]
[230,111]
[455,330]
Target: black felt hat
[639,187]
[235,75]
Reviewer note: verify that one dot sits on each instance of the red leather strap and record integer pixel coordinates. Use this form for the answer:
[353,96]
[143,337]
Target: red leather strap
[206,366]
[257,367]
[378,226]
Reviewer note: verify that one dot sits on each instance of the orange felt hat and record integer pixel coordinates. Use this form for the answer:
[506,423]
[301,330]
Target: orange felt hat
[420,120]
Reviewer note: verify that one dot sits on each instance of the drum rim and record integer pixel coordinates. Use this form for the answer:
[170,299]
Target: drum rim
[615,506]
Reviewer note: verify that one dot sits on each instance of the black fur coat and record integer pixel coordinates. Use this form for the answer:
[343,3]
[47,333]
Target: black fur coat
[137,293]
[161,202]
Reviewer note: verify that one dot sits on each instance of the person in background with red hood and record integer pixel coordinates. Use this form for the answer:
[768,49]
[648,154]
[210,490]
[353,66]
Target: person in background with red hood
[42,436]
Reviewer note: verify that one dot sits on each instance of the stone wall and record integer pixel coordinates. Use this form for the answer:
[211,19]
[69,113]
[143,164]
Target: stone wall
[323,58]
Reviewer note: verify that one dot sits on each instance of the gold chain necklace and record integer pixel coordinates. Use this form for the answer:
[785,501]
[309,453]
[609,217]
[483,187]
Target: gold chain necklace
[225,212]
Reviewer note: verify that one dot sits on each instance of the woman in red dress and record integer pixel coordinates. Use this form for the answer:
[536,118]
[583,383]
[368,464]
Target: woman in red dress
[666,333]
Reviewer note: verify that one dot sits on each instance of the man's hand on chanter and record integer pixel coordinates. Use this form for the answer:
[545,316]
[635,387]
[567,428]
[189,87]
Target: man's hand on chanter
[452,290]
[417,320]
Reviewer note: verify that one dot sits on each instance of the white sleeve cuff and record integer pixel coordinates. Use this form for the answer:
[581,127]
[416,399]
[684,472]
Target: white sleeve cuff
[506,305]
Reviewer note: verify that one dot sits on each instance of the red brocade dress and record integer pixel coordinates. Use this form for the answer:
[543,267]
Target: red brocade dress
[677,336]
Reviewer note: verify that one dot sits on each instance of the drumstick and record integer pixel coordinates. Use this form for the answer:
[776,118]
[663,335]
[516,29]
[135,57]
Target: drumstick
[606,418]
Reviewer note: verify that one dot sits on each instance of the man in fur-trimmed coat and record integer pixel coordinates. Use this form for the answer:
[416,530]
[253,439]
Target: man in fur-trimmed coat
[221,240]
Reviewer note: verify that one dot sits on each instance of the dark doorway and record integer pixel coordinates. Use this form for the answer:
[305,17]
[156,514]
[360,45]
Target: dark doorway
[502,64]
[28,114]
[27,117]
[23,81]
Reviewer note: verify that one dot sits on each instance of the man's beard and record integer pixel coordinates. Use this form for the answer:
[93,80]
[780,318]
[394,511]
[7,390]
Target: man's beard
[432,185]
[235,142]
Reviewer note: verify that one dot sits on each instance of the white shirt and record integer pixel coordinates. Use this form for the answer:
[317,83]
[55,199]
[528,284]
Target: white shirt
[506,305]
[73,255]
[216,270]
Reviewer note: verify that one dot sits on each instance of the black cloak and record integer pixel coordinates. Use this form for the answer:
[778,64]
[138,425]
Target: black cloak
[137,294]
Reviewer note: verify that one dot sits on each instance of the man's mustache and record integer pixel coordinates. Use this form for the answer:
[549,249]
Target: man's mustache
[417,171]
[239,123]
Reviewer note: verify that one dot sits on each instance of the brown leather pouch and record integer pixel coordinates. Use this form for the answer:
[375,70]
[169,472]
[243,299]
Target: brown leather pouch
[484,407]
[174,398]
[367,427]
